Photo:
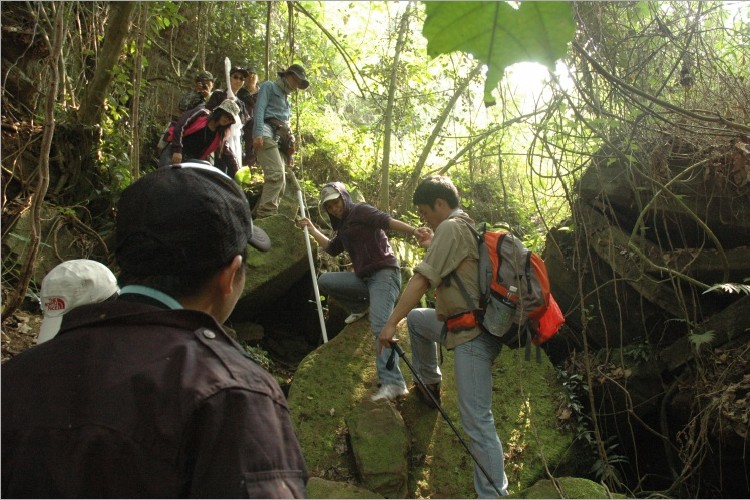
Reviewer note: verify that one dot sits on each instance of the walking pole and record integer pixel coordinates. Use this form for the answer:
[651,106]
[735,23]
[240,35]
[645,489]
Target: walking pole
[310,256]
[397,349]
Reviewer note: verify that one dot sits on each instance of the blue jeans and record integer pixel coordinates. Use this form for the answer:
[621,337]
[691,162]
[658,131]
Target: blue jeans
[380,289]
[473,372]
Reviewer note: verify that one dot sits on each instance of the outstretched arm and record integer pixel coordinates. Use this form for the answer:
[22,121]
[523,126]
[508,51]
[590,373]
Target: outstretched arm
[420,233]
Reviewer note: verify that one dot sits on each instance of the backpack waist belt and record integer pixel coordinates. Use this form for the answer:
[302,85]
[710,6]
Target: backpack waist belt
[464,320]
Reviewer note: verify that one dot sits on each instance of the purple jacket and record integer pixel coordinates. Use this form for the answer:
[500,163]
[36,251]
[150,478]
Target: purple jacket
[132,401]
[361,232]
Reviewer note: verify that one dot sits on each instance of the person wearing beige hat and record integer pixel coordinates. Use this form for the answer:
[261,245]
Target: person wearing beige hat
[373,287]
[273,139]
[69,285]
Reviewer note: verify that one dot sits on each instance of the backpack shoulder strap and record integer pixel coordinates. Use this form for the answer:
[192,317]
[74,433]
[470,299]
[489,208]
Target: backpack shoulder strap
[454,275]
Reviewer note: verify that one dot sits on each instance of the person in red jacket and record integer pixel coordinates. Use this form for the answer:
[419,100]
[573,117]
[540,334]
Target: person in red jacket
[200,132]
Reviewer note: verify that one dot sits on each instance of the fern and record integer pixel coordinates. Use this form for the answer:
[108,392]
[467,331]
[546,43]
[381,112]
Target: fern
[730,288]
[698,339]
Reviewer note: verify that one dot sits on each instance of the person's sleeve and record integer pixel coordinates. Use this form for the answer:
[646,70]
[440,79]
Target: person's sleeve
[371,217]
[260,109]
[179,129]
[242,445]
[231,159]
[335,246]
[445,254]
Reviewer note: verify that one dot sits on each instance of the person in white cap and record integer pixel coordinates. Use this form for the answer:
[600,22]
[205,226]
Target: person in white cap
[69,285]
[359,229]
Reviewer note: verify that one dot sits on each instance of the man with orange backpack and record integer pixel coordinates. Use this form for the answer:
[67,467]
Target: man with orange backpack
[452,248]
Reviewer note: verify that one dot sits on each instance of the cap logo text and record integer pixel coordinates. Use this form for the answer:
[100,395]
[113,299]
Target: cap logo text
[54,304]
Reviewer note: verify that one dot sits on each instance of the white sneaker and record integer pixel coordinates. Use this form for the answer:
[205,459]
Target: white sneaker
[355,317]
[390,392]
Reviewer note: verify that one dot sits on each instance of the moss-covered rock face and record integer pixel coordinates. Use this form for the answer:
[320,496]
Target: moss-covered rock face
[380,445]
[271,274]
[323,488]
[566,487]
[335,379]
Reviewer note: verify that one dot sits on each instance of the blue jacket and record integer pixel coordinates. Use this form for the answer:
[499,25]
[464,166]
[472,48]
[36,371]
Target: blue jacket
[272,102]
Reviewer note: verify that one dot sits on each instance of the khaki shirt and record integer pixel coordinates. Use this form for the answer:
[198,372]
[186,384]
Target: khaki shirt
[453,248]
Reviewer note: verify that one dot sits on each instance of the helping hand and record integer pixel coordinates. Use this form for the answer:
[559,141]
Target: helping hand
[424,236]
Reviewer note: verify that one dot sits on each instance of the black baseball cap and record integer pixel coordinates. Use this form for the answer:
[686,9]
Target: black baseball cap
[183,219]
[239,69]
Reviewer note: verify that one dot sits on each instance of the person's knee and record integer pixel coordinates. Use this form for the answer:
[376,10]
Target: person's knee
[274,176]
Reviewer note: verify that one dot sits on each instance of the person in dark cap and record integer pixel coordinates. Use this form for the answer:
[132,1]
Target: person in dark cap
[204,83]
[146,396]
[273,139]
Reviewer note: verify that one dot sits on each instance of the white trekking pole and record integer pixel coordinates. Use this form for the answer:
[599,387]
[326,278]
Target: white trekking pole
[312,264]
[235,143]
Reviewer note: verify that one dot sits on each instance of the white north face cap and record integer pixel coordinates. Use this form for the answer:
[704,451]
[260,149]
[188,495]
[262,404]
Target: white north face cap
[69,285]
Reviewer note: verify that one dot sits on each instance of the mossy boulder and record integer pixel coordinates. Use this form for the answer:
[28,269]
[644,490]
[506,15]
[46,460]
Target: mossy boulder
[333,381]
[566,487]
[271,274]
[323,488]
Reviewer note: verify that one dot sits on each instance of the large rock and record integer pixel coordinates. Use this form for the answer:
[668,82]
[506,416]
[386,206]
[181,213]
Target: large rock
[380,445]
[270,275]
[332,383]
[323,488]
[566,487]
[713,197]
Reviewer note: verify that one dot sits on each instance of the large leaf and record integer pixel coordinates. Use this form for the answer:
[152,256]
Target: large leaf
[499,35]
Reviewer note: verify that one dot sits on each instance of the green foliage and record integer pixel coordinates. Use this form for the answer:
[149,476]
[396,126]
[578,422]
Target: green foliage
[258,354]
[498,34]
[729,288]
[604,468]
[639,352]
[698,339]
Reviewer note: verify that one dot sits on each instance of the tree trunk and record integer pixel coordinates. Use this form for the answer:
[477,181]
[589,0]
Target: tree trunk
[269,10]
[384,200]
[92,103]
[417,172]
[135,151]
[43,179]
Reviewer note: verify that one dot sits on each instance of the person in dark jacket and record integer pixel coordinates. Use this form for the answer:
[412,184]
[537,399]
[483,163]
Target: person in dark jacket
[200,132]
[146,396]
[248,94]
[359,229]
[204,83]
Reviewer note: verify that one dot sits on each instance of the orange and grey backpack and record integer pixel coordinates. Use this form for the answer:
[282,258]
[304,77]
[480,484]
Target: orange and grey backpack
[515,303]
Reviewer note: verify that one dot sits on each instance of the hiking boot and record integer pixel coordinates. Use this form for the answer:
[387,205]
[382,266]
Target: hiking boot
[390,392]
[433,388]
[355,317]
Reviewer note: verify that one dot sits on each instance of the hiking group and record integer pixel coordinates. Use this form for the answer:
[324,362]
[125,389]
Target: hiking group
[135,390]
[203,129]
